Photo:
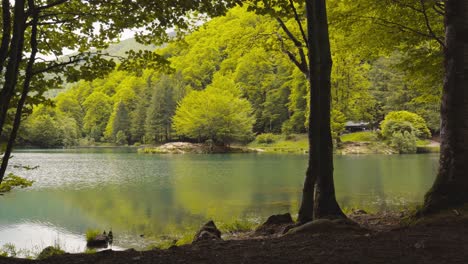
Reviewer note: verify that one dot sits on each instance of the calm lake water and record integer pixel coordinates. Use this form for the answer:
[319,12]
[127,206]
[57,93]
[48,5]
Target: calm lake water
[163,195]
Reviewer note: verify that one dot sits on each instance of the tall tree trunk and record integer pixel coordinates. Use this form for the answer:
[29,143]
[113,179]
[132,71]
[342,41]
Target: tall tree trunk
[319,185]
[451,185]
[326,205]
[6,32]
[24,94]
[14,60]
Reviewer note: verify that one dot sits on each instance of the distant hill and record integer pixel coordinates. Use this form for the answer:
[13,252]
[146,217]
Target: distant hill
[119,49]
[116,49]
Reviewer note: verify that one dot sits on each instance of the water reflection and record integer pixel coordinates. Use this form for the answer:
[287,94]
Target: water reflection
[35,236]
[158,195]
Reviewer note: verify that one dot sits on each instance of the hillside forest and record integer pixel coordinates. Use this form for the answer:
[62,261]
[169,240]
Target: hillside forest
[234,78]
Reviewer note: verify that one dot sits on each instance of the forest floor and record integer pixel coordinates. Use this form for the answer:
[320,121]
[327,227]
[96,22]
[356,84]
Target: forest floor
[384,239]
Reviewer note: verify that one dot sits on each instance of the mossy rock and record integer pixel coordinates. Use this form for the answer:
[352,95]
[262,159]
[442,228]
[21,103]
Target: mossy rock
[207,232]
[274,224]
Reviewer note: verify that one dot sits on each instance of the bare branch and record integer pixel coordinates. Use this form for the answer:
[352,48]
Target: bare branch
[428,25]
[299,64]
[297,43]
[401,27]
[298,20]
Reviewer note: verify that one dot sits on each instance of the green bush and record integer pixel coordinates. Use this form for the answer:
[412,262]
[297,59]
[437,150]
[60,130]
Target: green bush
[404,142]
[91,234]
[393,126]
[49,252]
[396,121]
[8,250]
[267,138]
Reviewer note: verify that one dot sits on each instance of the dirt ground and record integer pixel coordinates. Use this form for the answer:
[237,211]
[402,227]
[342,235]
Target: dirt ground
[442,239]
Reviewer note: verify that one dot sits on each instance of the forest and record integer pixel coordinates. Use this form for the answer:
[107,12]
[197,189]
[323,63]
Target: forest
[245,53]
[91,91]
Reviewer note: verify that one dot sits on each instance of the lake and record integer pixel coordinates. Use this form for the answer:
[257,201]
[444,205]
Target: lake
[164,195]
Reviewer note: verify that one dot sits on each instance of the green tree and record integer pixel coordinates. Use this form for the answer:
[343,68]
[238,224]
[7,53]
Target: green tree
[118,122]
[216,114]
[67,103]
[98,107]
[297,105]
[338,121]
[161,110]
[138,115]
[121,138]
[48,127]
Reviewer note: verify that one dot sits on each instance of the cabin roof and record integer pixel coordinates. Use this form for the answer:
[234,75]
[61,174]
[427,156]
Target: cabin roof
[356,124]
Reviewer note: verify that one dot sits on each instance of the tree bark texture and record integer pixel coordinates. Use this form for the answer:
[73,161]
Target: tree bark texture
[318,199]
[24,94]
[14,60]
[6,32]
[451,185]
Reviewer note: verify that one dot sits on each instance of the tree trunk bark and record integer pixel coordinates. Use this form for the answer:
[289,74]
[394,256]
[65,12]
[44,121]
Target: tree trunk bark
[318,198]
[451,185]
[14,60]
[24,94]
[6,31]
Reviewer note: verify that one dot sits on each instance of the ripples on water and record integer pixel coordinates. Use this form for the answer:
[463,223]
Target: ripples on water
[161,195]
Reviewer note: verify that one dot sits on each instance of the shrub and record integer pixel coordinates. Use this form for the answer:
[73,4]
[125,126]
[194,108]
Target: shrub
[404,142]
[393,126]
[417,122]
[91,234]
[49,252]
[267,138]
[8,250]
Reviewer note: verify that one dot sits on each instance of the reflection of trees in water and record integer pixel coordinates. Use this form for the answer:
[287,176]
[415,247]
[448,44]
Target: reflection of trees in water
[382,182]
[44,206]
[378,186]
[224,187]
[144,210]
[277,186]
[358,181]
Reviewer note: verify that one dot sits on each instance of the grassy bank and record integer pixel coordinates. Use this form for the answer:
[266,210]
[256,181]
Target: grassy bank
[353,143]
[272,143]
[364,142]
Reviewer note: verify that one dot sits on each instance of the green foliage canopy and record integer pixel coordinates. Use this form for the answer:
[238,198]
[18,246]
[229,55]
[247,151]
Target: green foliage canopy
[404,121]
[214,114]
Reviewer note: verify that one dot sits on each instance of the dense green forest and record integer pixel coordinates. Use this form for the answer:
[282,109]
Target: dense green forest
[239,64]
